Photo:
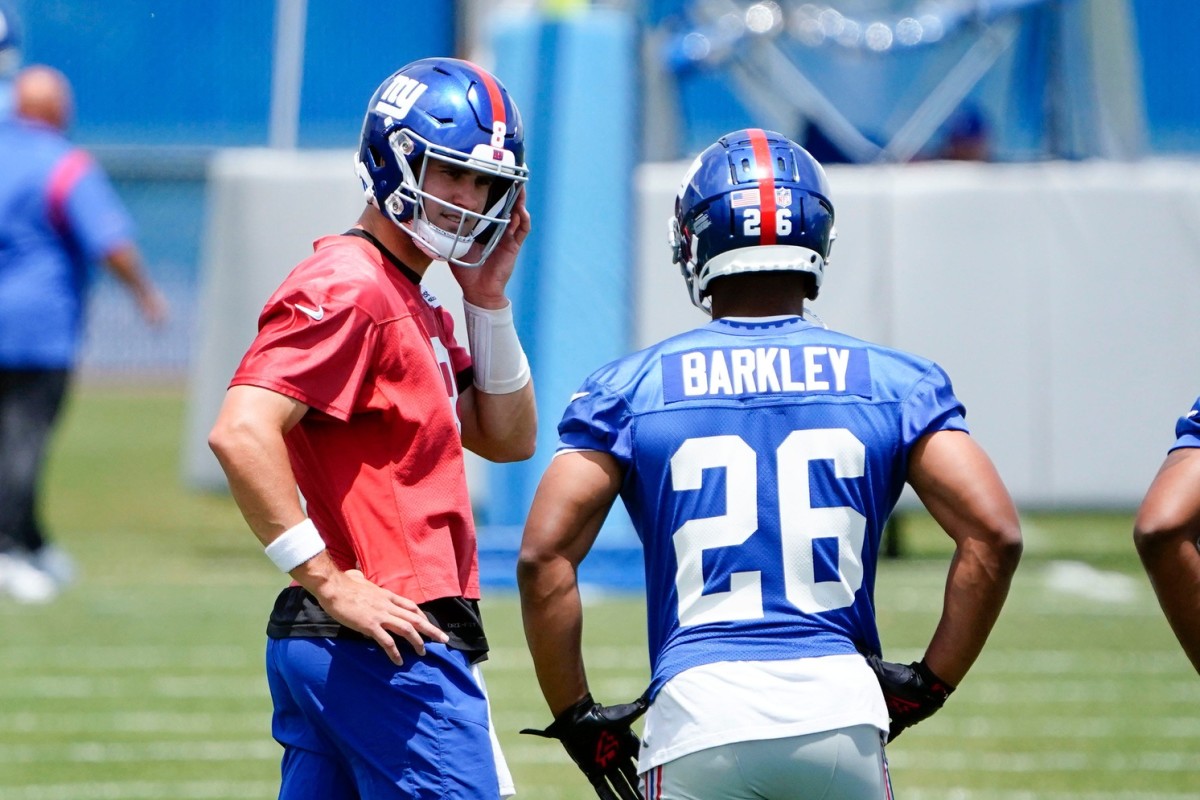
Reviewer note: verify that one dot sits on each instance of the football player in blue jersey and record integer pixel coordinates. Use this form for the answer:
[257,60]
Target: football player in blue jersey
[1166,532]
[759,457]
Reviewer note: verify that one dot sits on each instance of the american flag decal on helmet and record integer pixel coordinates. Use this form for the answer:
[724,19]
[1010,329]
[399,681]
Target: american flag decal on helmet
[743,198]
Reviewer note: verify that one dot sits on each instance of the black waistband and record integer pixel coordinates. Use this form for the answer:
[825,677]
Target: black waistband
[297,614]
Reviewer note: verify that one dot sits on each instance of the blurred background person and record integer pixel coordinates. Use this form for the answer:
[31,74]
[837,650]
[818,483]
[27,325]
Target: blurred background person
[967,135]
[58,215]
[1167,529]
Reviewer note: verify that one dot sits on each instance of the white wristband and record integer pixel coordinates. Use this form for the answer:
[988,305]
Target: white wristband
[296,545]
[500,363]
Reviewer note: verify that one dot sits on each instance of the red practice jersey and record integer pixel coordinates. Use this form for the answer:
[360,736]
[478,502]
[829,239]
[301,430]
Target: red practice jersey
[379,459]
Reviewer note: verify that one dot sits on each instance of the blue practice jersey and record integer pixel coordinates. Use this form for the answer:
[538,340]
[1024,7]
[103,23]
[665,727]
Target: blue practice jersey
[761,460]
[1187,430]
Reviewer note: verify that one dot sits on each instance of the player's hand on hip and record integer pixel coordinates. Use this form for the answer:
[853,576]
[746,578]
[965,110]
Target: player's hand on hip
[912,692]
[599,740]
[378,614]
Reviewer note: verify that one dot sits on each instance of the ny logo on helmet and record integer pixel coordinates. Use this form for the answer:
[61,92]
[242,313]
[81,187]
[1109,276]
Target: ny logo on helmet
[397,100]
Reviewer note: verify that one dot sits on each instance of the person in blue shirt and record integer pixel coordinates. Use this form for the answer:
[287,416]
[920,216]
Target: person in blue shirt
[58,215]
[1167,529]
[759,457]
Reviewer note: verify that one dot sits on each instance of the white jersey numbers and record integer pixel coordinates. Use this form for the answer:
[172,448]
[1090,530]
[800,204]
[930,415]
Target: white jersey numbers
[446,368]
[752,221]
[821,548]
[744,598]
[801,525]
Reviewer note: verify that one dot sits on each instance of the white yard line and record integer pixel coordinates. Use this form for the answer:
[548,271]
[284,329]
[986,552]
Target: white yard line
[191,751]
[143,790]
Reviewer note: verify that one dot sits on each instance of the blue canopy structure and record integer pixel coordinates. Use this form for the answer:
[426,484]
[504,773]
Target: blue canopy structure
[895,80]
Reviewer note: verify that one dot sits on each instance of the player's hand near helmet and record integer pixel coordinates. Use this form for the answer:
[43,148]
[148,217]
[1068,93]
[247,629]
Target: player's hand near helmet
[599,740]
[912,692]
[484,286]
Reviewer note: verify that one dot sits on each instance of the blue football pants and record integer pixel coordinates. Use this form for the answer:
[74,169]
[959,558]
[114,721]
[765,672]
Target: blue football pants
[354,726]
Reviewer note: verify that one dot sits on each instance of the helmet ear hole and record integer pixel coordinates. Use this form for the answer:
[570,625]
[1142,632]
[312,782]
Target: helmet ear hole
[675,239]
[376,158]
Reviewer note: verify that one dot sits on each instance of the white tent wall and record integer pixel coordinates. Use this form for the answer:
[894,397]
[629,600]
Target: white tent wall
[1061,297]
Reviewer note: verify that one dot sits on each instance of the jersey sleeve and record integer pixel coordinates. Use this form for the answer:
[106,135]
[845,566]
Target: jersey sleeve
[318,351]
[930,407]
[1187,430]
[83,202]
[596,419]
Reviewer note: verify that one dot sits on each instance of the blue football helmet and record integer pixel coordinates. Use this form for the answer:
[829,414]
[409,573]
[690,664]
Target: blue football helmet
[754,201]
[451,111]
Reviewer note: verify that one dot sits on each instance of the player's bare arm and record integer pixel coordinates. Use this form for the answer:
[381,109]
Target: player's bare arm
[248,441]
[1166,531]
[497,425]
[570,505]
[960,487]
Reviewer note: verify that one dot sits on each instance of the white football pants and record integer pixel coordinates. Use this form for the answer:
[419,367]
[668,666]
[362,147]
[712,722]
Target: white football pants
[846,764]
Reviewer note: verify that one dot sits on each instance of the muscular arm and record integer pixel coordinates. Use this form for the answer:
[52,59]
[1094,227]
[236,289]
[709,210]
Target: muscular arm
[1165,533]
[568,509]
[499,427]
[248,441]
[959,486]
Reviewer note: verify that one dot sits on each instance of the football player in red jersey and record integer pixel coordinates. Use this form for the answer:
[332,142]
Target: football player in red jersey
[357,393]
[1166,532]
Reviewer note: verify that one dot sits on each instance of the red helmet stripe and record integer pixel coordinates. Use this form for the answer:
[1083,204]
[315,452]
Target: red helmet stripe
[766,184]
[493,92]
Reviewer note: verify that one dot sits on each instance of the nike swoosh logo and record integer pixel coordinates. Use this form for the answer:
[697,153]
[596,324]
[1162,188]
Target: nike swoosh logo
[578,395]
[316,314]
[1192,414]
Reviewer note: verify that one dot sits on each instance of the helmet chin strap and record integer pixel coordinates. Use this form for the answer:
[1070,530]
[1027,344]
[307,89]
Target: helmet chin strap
[437,243]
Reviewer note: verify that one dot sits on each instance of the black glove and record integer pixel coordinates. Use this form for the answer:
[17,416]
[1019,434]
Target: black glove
[599,741]
[912,692]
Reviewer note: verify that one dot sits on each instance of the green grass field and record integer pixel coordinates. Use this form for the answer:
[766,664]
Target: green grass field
[145,680]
